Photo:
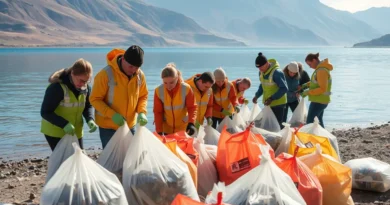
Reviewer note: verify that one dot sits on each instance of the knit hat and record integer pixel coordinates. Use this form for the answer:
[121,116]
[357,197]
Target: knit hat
[219,74]
[134,55]
[293,67]
[261,60]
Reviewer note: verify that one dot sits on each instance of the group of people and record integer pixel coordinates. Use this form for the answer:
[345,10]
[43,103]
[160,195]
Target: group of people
[119,95]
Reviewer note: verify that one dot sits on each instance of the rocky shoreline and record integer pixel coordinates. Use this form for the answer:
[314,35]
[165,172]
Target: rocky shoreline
[21,182]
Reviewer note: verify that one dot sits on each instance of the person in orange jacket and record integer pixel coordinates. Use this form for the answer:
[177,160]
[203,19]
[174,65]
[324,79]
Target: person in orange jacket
[240,86]
[174,104]
[119,92]
[225,99]
[201,86]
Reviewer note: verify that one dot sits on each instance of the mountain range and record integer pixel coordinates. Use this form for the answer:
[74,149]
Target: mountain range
[158,23]
[100,22]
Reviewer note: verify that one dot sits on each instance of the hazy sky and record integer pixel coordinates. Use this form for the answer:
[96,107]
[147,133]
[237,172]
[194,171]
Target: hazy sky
[355,5]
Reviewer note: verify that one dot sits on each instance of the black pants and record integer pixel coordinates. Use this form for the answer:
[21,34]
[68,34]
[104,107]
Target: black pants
[215,121]
[292,106]
[279,113]
[53,141]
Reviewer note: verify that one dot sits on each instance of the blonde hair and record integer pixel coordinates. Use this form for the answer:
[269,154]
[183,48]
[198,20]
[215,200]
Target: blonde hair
[170,70]
[80,67]
[247,81]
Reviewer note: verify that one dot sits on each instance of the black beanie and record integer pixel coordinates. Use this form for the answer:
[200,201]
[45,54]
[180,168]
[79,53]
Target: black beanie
[261,60]
[134,55]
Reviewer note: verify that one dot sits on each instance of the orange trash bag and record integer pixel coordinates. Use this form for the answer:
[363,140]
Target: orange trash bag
[171,144]
[335,178]
[307,183]
[309,141]
[186,144]
[185,200]
[238,153]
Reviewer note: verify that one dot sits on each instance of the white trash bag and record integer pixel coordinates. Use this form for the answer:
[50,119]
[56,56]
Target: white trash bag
[316,129]
[245,113]
[230,127]
[272,138]
[63,151]
[299,115]
[212,152]
[114,153]
[80,180]
[267,120]
[286,133]
[265,184]
[218,191]
[207,171]
[239,122]
[152,174]
[212,135]
[370,174]
[254,112]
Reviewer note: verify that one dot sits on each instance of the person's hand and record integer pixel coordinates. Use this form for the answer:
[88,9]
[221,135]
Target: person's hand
[118,119]
[69,129]
[191,129]
[237,109]
[254,100]
[197,125]
[268,102]
[226,112]
[209,121]
[246,101]
[304,94]
[92,126]
[141,119]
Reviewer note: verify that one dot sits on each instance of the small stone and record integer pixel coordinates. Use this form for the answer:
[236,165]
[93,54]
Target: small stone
[368,151]
[367,141]
[2,165]
[36,160]
[33,184]
[343,141]
[31,167]
[26,160]
[10,186]
[32,196]
[13,173]
[2,176]
[39,166]
[353,155]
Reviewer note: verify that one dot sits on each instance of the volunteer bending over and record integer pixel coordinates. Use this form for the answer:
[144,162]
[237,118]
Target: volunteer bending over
[295,78]
[120,93]
[201,86]
[320,87]
[174,104]
[273,86]
[66,103]
[225,99]
[240,86]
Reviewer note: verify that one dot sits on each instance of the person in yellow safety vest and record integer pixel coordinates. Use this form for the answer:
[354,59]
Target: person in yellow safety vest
[174,104]
[225,98]
[66,102]
[273,86]
[320,87]
[120,93]
[201,86]
[240,86]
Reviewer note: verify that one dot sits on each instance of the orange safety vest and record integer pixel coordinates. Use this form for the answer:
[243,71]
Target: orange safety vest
[202,99]
[222,99]
[175,110]
[239,94]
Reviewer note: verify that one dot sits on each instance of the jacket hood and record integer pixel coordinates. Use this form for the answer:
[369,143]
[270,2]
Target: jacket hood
[325,64]
[57,76]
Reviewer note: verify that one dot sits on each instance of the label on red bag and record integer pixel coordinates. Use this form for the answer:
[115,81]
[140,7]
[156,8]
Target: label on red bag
[240,165]
[309,145]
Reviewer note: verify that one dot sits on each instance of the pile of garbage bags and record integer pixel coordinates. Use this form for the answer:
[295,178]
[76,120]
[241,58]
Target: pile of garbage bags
[247,160]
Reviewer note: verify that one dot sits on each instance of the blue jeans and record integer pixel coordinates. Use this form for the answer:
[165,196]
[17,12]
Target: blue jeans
[106,135]
[316,110]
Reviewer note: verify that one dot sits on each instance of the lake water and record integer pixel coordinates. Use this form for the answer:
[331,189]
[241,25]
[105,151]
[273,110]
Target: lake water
[361,84]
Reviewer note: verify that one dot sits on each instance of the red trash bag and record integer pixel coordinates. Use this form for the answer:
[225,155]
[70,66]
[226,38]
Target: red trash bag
[185,200]
[307,183]
[185,143]
[238,153]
